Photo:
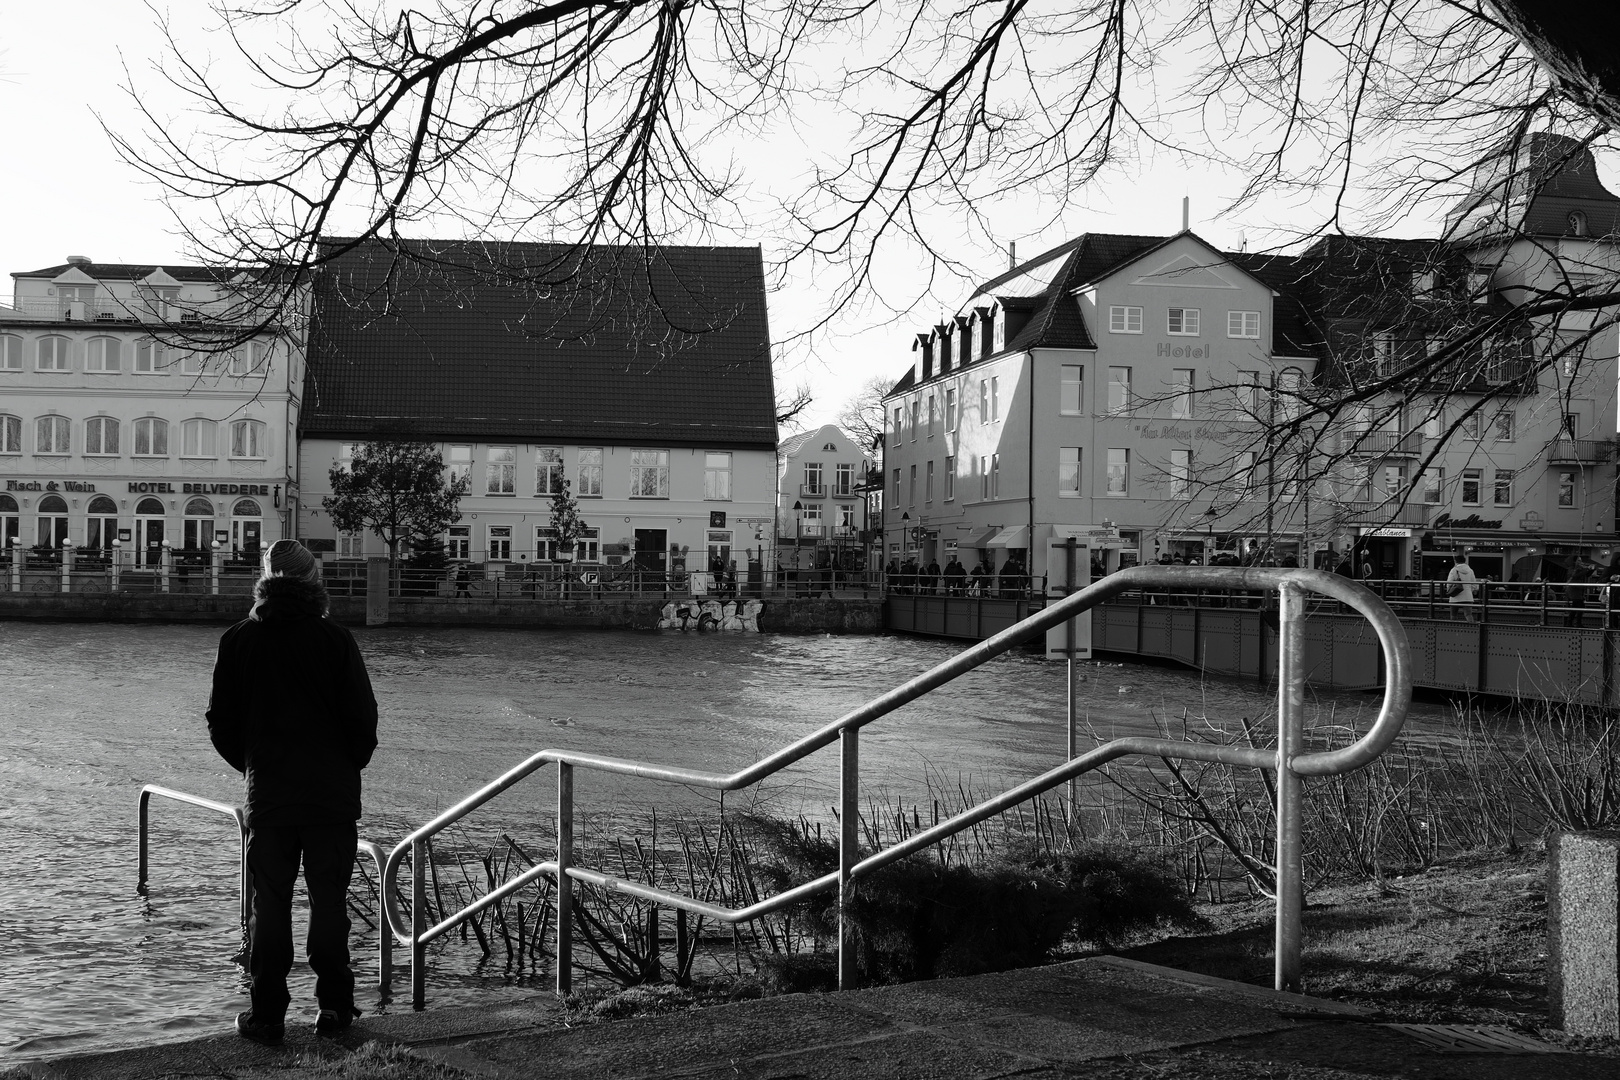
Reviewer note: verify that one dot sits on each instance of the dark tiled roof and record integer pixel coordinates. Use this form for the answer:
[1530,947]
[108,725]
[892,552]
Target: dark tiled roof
[543,342]
[133,271]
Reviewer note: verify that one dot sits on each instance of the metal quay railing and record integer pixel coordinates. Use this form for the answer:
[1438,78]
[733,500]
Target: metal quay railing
[375,851]
[1289,759]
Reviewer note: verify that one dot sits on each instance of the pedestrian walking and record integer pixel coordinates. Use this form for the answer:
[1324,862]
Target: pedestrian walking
[292,709]
[1460,588]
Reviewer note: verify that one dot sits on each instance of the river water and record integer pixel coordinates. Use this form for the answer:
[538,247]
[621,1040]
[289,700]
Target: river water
[92,711]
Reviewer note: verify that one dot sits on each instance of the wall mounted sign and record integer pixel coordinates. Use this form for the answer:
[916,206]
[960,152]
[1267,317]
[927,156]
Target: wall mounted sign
[49,485]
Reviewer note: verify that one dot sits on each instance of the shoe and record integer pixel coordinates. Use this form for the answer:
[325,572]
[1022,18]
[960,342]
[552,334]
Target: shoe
[263,1032]
[332,1022]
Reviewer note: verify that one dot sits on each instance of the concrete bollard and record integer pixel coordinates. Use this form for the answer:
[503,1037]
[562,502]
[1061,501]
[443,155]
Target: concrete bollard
[377,592]
[1583,932]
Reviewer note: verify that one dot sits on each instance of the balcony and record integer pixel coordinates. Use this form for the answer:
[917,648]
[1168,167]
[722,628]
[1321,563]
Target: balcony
[813,491]
[104,310]
[1381,443]
[1385,512]
[1580,452]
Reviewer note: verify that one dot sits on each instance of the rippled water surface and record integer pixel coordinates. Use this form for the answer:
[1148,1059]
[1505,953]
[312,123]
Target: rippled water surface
[91,712]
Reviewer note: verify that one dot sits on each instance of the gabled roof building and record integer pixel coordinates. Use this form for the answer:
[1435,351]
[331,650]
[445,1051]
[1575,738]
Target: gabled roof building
[642,377]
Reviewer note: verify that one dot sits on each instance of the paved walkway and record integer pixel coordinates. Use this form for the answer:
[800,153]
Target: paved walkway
[1104,1017]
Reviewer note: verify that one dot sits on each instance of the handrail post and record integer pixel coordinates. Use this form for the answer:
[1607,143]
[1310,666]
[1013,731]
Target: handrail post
[565,884]
[849,834]
[140,869]
[418,924]
[1290,737]
[247,893]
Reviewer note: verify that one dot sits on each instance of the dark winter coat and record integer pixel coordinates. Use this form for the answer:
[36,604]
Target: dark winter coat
[292,708]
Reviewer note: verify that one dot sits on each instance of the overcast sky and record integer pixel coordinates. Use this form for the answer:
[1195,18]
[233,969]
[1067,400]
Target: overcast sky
[64,191]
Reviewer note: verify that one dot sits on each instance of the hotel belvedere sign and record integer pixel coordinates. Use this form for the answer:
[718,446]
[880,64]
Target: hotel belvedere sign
[142,487]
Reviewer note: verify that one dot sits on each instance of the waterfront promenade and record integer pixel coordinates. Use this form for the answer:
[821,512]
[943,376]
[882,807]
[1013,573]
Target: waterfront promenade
[1104,1017]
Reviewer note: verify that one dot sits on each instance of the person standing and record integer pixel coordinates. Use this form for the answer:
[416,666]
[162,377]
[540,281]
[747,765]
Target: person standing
[292,709]
[1460,588]
[955,576]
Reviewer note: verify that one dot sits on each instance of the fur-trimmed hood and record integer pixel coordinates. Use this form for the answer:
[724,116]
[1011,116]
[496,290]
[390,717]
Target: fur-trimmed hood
[288,598]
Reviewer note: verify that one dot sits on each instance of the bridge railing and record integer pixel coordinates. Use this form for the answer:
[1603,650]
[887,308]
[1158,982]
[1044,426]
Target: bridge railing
[1290,761]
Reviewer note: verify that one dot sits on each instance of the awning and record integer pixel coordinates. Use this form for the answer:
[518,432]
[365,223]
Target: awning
[1017,537]
[984,538]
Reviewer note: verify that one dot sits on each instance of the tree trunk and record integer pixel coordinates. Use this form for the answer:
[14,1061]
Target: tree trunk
[1575,43]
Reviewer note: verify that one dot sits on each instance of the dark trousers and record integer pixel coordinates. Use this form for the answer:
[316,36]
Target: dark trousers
[328,855]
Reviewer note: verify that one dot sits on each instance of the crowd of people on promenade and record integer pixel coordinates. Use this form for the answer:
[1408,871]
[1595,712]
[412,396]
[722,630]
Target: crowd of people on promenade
[1010,581]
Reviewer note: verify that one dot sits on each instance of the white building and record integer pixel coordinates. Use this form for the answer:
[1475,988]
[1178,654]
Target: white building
[821,494]
[119,420]
[644,380]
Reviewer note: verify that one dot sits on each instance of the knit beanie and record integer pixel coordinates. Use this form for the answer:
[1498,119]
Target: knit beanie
[289,558]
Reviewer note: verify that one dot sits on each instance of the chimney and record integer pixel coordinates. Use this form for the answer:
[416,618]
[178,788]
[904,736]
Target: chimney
[1012,254]
[81,261]
[1186,213]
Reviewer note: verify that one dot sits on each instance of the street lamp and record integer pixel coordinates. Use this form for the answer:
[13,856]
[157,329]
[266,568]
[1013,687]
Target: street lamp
[798,524]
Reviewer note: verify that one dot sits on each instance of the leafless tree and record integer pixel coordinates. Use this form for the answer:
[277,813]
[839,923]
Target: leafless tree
[790,403]
[591,122]
[862,413]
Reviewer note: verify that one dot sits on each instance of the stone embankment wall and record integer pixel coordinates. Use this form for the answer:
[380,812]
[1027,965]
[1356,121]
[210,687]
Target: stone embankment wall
[780,616]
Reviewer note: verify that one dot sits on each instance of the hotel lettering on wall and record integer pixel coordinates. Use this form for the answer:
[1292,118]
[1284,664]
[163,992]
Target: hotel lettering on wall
[164,487]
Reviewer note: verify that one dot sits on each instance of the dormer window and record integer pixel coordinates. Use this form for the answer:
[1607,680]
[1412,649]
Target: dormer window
[1577,223]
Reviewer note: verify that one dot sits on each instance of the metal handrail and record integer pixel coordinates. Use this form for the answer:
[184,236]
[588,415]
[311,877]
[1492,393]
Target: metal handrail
[375,851]
[1287,759]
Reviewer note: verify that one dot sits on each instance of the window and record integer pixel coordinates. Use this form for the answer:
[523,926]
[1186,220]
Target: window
[1434,486]
[249,358]
[1119,391]
[588,546]
[152,438]
[846,517]
[11,350]
[500,471]
[1124,320]
[984,401]
[1071,398]
[916,411]
[10,434]
[351,545]
[1247,394]
[1502,487]
[995,476]
[1181,393]
[259,356]
[53,354]
[1243,324]
[812,478]
[950,478]
[1069,472]
[995,397]
[717,476]
[899,424]
[459,542]
[1502,426]
[649,474]
[1394,480]
[101,436]
[1182,321]
[51,435]
[1473,481]
[500,543]
[911,487]
[930,416]
[460,462]
[928,484]
[548,470]
[1566,489]
[897,487]
[1577,223]
[1243,473]
[192,363]
[984,477]
[197,438]
[247,439]
[1119,472]
[590,472]
[1469,426]
[1181,474]
[844,478]
[198,532]
[149,358]
[545,544]
[104,354]
[950,409]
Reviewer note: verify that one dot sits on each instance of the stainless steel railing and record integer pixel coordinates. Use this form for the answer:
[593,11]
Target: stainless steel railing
[1289,760]
[374,851]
